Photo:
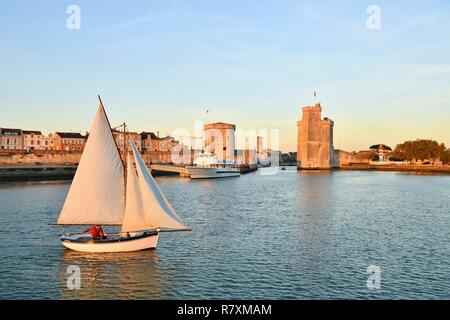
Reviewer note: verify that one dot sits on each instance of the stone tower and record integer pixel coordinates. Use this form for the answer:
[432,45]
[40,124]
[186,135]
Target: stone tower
[220,140]
[314,140]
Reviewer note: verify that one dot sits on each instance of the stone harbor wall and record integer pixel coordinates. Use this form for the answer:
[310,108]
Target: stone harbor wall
[344,158]
[8,158]
[17,158]
[157,157]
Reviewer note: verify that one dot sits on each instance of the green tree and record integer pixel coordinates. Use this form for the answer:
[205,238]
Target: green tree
[420,149]
[446,157]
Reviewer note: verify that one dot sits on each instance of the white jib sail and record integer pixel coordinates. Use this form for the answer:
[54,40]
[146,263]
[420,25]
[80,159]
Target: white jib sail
[97,193]
[158,213]
[134,218]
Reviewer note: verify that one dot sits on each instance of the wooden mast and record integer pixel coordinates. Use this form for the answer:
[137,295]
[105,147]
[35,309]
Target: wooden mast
[109,124]
[125,156]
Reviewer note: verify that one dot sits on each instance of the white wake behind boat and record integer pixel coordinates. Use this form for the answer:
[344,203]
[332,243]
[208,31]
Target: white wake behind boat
[107,192]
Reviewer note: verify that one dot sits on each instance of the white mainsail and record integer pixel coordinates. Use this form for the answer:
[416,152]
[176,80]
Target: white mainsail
[154,211]
[97,193]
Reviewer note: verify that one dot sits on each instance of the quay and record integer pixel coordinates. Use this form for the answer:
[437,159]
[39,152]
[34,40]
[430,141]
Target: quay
[67,172]
[161,169]
[37,172]
[396,168]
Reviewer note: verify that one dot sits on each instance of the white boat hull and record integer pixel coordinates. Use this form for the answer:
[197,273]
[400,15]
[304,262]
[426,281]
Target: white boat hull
[212,172]
[134,243]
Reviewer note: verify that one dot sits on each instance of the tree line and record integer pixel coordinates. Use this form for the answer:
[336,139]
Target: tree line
[421,150]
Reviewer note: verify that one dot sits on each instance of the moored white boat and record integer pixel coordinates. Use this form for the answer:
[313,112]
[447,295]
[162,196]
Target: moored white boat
[105,191]
[206,166]
[212,172]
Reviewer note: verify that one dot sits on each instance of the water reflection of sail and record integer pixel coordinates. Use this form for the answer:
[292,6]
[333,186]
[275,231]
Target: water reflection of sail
[135,275]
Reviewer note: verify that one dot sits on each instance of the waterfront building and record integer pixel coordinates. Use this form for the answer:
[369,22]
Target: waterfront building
[35,140]
[11,139]
[259,144]
[149,141]
[220,140]
[68,141]
[262,155]
[47,142]
[314,140]
[152,142]
[288,157]
[119,137]
[167,143]
[245,156]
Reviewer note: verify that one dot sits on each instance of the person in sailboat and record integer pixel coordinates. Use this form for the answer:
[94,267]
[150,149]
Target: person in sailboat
[96,232]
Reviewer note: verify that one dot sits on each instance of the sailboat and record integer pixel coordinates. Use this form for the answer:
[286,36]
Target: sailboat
[110,192]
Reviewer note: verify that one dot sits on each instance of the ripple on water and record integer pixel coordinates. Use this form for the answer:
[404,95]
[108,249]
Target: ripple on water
[293,235]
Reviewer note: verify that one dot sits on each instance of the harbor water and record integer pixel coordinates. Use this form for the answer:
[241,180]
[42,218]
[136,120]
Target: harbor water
[291,235]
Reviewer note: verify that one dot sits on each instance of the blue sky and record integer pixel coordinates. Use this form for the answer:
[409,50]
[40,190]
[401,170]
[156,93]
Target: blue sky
[160,64]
